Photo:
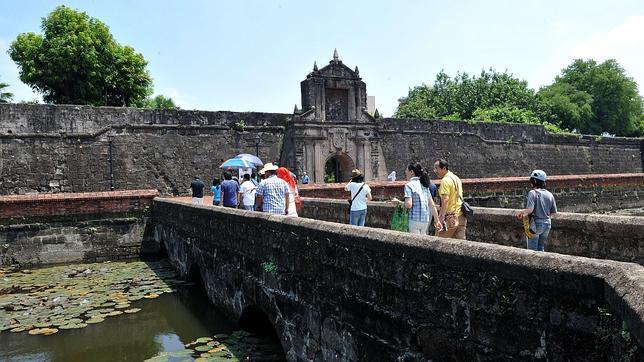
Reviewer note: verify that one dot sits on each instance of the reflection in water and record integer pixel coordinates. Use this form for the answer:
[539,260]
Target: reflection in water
[163,324]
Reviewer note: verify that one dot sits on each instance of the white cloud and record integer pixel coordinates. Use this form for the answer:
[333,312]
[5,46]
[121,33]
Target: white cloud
[625,43]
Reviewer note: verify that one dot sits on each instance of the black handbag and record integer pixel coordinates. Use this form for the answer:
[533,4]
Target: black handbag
[465,206]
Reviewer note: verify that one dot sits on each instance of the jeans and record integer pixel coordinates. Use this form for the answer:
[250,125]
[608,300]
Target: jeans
[358,217]
[538,241]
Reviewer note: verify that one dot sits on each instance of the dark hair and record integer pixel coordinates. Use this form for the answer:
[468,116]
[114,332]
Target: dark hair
[537,183]
[247,176]
[359,178]
[418,171]
[442,163]
[215,181]
[228,175]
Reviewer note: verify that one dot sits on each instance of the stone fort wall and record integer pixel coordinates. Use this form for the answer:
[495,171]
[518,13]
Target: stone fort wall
[494,150]
[46,148]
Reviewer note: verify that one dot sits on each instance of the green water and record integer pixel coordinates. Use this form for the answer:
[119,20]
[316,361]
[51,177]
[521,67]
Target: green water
[164,324]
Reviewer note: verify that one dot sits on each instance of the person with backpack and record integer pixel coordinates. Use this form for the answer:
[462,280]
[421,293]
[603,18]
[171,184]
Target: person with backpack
[360,193]
[540,205]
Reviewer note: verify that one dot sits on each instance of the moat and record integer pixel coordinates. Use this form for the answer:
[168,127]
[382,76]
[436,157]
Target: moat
[178,324]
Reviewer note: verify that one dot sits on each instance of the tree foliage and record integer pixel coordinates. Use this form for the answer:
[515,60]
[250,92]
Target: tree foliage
[594,98]
[160,102]
[5,97]
[587,97]
[461,96]
[77,61]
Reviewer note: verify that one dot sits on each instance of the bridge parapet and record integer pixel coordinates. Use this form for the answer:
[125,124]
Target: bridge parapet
[339,292]
[612,237]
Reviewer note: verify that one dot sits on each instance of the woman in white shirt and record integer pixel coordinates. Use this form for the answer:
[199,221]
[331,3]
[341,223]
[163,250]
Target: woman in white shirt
[360,193]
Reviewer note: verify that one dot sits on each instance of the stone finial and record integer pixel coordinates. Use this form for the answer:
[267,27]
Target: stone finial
[295,110]
[357,71]
[315,66]
[335,56]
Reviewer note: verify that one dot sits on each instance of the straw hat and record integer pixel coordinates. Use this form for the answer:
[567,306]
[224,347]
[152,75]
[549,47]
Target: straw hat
[355,173]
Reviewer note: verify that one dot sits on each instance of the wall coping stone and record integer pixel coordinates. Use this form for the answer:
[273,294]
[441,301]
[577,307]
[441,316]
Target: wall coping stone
[495,184]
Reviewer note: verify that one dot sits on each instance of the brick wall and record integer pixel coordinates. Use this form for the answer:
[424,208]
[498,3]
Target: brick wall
[64,204]
[68,228]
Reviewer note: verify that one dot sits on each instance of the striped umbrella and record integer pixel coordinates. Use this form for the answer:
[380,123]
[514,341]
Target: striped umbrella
[237,163]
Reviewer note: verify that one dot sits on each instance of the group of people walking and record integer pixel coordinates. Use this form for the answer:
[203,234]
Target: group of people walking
[448,217]
[276,193]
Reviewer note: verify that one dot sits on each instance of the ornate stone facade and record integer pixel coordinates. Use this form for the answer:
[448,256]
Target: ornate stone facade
[333,133]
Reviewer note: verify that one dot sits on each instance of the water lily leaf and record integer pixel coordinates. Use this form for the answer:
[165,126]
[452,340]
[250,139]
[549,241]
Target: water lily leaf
[43,331]
[151,296]
[133,310]
[94,320]
[202,348]
[203,339]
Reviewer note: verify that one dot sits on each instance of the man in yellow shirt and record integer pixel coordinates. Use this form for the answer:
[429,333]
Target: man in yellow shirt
[452,220]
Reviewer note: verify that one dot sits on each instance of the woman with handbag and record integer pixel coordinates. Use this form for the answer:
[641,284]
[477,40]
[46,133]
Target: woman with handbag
[419,201]
[360,194]
[539,206]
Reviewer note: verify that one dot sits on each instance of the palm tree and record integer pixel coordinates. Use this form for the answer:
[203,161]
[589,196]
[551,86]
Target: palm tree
[5,97]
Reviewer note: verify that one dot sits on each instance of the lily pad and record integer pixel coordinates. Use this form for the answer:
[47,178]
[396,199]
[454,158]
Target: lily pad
[203,339]
[43,331]
[202,348]
[133,310]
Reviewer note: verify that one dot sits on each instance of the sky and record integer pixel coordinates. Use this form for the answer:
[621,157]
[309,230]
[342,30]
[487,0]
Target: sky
[248,55]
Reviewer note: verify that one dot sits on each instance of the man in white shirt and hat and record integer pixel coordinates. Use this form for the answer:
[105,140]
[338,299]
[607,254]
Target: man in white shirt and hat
[272,194]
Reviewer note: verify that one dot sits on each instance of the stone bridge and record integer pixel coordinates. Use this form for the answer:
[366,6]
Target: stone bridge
[339,292]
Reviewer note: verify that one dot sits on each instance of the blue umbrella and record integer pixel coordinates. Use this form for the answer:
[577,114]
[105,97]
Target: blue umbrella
[237,163]
[250,158]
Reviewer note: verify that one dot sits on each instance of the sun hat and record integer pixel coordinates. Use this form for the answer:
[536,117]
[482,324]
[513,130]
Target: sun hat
[268,167]
[355,173]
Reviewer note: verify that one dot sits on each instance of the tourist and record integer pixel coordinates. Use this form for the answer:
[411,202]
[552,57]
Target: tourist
[451,216]
[360,192]
[418,200]
[286,175]
[229,191]
[540,205]
[197,186]
[305,178]
[272,194]
[247,193]
[216,191]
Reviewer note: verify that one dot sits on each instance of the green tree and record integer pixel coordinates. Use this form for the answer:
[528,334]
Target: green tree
[461,96]
[594,98]
[160,102]
[77,61]
[5,97]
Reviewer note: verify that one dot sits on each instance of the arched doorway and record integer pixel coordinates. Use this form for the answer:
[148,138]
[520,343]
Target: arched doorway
[338,168]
